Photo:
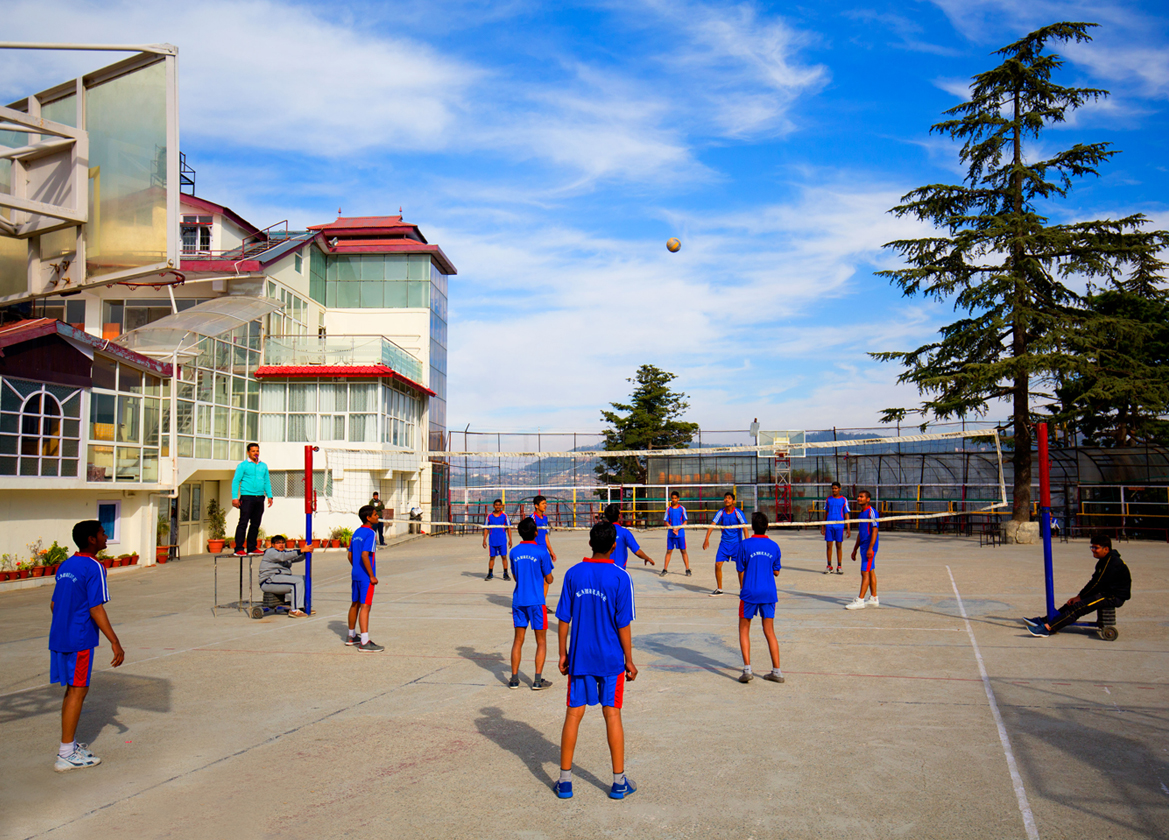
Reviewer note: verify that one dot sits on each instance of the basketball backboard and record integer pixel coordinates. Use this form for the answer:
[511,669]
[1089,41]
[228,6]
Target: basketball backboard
[89,178]
[790,442]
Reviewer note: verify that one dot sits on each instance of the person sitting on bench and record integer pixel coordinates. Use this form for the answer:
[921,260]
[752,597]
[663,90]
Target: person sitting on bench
[1110,586]
[276,578]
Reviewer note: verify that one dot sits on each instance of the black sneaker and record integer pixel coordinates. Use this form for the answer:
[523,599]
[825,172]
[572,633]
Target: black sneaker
[506,576]
[490,575]
[716,592]
[662,573]
[514,682]
[370,647]
[1035,622]
[687,573]
[541,684]
[351,641]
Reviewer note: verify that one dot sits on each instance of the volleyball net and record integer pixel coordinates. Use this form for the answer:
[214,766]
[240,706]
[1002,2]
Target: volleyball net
[942,481]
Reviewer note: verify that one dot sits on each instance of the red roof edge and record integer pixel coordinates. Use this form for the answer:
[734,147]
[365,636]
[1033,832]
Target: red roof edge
[23,331]
[212,207]
[343,371]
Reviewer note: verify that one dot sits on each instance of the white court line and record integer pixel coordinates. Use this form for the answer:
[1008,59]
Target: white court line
[1016,779]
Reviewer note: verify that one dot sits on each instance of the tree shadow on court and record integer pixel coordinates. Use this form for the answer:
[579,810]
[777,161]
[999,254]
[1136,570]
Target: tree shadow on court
[1125,772]
[494,663]
[670,645]
[109,693]
[529,745]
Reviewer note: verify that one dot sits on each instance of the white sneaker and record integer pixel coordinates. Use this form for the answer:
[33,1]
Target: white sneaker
[872,601]
[78,759]
[855,604]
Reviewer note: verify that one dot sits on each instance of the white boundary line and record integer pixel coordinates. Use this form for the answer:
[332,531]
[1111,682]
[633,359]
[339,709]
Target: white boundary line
[1016,779]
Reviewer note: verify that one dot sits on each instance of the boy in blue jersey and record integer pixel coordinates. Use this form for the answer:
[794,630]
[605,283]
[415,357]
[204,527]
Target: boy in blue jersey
[363,579]
[625,540]
[867,542]
[758,565]
[540,516]
[78,613]
[676,534]
[835,510]
[728,541]
[532,568]
[498,538]
[596,601]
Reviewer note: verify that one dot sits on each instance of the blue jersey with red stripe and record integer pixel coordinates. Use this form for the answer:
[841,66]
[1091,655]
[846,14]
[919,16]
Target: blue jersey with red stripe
[836,508]
[625,544]
[758,560]
[530,564]
[731,537]
[867,530]
[364,539]
[81,586]
[597,598]
[541,529]
[497,537]
[675,516]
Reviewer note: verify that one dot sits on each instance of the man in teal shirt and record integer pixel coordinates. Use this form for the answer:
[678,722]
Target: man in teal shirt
[249,488]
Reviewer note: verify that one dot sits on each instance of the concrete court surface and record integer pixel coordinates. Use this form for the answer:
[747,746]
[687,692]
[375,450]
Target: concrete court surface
[230,727]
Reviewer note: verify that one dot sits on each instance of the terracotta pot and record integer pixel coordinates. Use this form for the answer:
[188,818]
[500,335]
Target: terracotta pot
[107,563]
[215,546]
[335,543]
[134,560]
[161,554]
[21,574]
[301,545]
[5,576]
[38,571]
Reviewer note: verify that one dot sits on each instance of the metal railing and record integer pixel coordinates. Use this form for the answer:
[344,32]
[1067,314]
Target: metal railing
[341,350]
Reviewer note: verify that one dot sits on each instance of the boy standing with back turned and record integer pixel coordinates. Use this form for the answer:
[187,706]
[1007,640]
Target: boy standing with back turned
[533,572]
[597,603]
[758,566]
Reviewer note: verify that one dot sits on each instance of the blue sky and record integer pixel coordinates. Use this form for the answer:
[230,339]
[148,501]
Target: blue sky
[551,149]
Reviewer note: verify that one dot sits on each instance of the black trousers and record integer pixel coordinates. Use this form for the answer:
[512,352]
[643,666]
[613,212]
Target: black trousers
[1069,613]
[379,528]
[251,511]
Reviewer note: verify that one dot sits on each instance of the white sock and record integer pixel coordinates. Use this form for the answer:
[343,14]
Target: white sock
[618,778]
[777,672]
[66,749]
[566,776]
[746,669]
[352,632]
[365,638]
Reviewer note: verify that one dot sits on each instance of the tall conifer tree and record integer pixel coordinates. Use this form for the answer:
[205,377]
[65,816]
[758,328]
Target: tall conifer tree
[997,257]
[650,421]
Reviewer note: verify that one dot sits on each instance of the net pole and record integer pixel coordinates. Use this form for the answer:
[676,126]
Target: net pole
[308,528]
[1045,515]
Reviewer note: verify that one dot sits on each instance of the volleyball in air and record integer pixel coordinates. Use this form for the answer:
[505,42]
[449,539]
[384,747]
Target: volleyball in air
[673,245]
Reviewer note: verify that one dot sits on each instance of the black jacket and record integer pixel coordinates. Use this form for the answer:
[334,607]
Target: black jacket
[1110,580]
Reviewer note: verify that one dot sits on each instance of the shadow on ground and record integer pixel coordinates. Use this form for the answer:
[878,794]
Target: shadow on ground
[528,744]
[494,663]
[692,650]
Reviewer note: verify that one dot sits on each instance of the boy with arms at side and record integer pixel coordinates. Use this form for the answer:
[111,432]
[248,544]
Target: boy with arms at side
[596,602]
[78,613]
[540,517]
[729,539]
[363,558]
[835,510]
[625,539]
[533,572]
[758,566]
[676,535]
[498,538]
[867,542]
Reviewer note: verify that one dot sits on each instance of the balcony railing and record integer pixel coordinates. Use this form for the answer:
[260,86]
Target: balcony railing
[341,350]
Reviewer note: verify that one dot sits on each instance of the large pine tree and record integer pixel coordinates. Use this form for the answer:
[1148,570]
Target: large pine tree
[648,421]
[998,258]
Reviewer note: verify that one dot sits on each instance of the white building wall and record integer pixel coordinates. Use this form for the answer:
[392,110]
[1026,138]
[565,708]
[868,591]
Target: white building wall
[32,514]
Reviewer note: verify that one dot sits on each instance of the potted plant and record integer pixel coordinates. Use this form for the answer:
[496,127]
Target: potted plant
[335,536]
[162,551]
[105,559]
[216,526]
[300,543]
[133,558]
[54,556]
[22,569]
[346,536]
[261,538]
[7,567]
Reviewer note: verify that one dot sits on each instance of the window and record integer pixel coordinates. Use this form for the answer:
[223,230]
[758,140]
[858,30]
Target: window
[40,429]
[298,260]
[125,423]
[196,233]
[289,484]
[361,411]
[109,514]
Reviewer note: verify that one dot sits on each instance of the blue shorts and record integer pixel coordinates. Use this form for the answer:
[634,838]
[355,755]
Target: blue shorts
[833,533]
[72,668]
[867,564]
[362,591]
[537,616]
[749,611]
[588,690]
[677,540]
[727,554]
[496,551]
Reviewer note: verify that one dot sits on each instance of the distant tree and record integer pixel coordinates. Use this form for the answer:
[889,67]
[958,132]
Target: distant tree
[1000,261]
[1120,389]
[648,421]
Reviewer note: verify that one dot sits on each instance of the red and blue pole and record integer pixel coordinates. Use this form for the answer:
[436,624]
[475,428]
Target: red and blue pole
[310,504]
[1045,515]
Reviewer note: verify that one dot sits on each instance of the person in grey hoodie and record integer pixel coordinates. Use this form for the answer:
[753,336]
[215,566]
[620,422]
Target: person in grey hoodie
[276,577]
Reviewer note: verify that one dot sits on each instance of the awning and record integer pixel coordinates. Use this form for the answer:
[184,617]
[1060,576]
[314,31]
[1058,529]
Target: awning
[180,332]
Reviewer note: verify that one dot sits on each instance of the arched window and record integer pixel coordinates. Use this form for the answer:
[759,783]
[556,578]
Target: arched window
[39,429]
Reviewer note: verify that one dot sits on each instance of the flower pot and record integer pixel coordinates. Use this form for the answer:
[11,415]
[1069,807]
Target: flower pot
[161,554]
[21,574]
[335,543]
[107,563]
[133,559]
[215,546]
[5,576]
[38,571]
[301,545]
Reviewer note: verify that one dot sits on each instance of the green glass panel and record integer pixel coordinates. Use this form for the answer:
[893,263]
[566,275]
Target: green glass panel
[316,289]
[373,267]
[419,293]
[419,268]
[347,270]
[126,121]
[371,294]
[396,295]
[396,267]
[330,293]
[348,296]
